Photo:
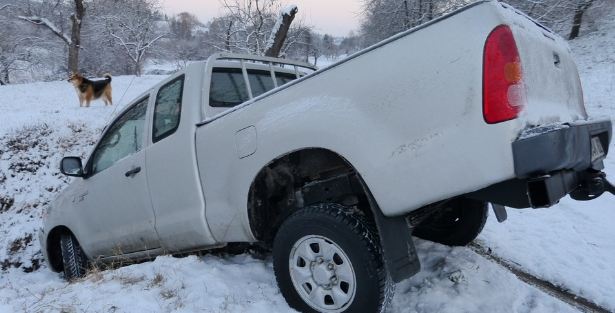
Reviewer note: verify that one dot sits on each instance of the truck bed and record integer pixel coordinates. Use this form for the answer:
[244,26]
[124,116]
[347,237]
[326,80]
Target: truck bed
[406,113]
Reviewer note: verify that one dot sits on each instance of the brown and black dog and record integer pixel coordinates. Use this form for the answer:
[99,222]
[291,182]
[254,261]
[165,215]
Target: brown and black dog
[89,90]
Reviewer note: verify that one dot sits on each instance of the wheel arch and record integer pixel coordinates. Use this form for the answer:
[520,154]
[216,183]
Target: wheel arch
[315,175]
[283,176]
[54,251]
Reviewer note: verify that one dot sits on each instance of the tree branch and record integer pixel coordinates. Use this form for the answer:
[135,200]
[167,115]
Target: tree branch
[47,23]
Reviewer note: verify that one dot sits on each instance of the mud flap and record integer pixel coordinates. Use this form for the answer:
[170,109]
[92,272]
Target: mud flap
[500,212]
[398,249]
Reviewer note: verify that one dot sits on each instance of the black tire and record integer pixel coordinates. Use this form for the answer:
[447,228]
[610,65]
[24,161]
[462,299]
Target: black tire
[74,260]
[457,224]
[358,240]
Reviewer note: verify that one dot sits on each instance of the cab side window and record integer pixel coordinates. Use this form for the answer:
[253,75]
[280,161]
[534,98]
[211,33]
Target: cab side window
[228,88]
[167,110]
[124,138]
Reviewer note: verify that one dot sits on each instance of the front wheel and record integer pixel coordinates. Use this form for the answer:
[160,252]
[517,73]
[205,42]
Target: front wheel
[327,259]
[74,260]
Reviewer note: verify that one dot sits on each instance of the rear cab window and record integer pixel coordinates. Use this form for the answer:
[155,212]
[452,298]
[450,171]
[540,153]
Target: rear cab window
[284,78]
[260,82]
[228,87]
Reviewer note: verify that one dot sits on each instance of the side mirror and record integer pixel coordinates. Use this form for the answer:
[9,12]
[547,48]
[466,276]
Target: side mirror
[71,166]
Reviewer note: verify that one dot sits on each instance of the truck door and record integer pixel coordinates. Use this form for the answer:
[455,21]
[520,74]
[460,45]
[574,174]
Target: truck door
[119,217]
[172,171]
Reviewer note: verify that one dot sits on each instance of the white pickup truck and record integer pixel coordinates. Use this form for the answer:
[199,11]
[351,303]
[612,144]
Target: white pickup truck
[334,170]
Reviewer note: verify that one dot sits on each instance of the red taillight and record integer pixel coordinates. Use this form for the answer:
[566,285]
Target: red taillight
[503,89]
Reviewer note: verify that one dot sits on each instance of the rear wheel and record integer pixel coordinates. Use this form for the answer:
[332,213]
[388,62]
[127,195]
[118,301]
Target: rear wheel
[74,261]
[457,224]
[327,259]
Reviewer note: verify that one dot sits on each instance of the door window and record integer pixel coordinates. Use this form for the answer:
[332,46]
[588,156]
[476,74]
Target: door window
[228,88]
[124,138]
[167,111]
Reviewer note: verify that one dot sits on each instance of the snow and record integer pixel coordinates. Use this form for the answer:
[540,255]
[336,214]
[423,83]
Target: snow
[542,129]
[570,244]
[56,103]
[190,284]
[162,67]
[289,9]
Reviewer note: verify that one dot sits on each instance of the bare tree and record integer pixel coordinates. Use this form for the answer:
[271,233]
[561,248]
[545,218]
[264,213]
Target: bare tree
[329,47]
[350,44]
[20,46]
[251,23]
[184,25]
[563,16]
[73,41]
[255,27]
[14,56]
[384,18]
[134,29]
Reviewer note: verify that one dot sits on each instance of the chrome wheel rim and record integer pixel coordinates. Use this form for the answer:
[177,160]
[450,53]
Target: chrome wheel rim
[322,274]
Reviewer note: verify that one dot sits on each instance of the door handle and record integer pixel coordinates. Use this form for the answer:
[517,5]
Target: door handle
[133,171]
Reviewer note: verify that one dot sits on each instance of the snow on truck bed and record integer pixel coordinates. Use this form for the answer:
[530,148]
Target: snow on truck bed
[570,244]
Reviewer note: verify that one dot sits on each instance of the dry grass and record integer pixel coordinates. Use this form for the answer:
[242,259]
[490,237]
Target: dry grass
[157,281]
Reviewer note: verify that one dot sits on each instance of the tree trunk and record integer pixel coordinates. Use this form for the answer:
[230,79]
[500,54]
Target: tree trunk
[279,37]
[138,67]
[227,41]
[578,19]
[5,79]
[419,18]
[406,15]
[75,36]
[308,45]
[430,11]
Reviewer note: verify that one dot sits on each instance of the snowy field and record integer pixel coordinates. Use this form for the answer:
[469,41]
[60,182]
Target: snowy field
[571,244]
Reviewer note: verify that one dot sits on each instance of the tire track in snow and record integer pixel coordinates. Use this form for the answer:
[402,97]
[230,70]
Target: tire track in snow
[579,302]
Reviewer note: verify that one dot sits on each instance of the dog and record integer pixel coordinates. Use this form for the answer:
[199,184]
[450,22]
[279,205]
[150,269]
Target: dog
[88,90]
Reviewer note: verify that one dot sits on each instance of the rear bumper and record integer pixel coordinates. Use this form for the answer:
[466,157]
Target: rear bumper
[550,163]
[567,148]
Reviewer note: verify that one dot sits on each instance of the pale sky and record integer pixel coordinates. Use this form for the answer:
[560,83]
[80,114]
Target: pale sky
[336,17]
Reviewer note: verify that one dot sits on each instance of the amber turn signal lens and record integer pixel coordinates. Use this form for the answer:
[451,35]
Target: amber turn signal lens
[512,72]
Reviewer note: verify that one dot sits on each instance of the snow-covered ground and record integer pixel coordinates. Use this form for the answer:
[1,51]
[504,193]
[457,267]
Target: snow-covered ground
[571,244]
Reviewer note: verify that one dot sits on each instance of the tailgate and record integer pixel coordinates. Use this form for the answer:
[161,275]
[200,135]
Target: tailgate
[553,87]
